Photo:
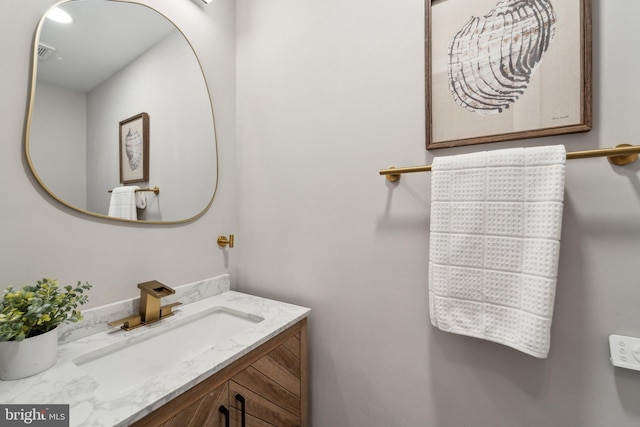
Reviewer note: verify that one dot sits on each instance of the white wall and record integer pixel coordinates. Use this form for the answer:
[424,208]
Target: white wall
[41,238]
[165,82]
[331,91]
[57,141]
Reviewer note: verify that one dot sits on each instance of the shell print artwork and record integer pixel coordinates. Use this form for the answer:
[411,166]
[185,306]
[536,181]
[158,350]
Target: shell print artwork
[492,58]
[133,148]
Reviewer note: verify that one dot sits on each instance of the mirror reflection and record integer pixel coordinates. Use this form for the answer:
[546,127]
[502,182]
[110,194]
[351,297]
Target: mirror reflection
[94,79]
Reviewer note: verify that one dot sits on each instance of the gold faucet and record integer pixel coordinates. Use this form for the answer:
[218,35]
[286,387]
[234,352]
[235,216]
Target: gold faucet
[150,309]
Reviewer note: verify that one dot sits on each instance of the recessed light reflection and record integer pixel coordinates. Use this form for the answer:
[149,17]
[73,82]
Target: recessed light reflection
[59,15]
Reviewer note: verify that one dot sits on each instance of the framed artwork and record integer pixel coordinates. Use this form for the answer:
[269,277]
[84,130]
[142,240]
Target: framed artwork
[499,70]
[134,149]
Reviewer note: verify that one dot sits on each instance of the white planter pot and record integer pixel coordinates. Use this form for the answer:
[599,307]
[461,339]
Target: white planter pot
[21,359]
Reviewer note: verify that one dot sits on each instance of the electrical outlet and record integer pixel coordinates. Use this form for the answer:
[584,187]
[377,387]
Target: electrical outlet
[625,351]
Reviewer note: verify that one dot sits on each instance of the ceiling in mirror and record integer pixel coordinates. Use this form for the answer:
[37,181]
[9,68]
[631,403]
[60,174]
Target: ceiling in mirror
[93,80]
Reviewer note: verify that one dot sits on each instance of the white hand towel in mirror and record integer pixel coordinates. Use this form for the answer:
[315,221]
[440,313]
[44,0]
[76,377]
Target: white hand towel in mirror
[123,202]
[141,199]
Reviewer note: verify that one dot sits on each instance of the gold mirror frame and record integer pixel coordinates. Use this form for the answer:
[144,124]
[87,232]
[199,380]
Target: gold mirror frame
[32,91]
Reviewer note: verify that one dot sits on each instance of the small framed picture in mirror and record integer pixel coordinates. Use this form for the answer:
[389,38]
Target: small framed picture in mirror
[134,149]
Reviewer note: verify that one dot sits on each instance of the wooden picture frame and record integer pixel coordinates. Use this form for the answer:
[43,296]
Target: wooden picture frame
[484,82]
[134,149]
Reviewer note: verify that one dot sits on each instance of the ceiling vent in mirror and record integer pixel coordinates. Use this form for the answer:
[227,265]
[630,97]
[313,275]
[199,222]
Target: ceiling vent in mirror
[45,52]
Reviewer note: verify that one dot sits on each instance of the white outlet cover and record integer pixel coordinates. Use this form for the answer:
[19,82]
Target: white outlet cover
[625,351]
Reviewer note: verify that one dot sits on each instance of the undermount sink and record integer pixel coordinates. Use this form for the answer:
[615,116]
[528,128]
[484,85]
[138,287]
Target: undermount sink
[125,364]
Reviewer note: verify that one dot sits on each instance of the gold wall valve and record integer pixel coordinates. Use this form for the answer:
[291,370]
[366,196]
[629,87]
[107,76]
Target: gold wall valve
[223,241]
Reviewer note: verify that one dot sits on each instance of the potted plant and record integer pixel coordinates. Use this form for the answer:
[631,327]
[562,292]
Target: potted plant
[28,321]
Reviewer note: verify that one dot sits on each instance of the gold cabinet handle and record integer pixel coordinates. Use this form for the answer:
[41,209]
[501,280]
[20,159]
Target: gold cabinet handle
[223,241]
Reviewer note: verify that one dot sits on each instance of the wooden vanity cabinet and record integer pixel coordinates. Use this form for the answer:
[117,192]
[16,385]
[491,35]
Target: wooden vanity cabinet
[268,386]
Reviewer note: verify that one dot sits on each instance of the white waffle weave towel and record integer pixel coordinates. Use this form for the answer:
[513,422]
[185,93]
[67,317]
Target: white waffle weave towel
[496,218]
[123,202]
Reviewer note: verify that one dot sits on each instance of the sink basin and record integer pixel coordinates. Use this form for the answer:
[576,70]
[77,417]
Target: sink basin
[120,366]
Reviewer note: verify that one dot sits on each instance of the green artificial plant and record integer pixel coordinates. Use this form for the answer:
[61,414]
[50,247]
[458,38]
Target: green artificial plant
[34,310]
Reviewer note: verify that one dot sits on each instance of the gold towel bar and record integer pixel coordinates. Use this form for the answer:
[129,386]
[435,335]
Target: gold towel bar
[620,155]
[156,190]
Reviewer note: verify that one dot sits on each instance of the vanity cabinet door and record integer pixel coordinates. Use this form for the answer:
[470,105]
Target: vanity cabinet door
[187,411]
[272,380]
[271,388]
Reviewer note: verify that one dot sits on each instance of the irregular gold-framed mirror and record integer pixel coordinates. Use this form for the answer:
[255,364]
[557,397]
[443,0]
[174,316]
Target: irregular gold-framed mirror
[91,79]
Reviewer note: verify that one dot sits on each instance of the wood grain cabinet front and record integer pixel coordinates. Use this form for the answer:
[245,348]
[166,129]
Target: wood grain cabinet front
[269,391]
[205,411]
[265,388]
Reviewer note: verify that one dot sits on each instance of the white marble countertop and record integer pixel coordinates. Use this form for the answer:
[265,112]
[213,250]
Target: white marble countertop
[66,383]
